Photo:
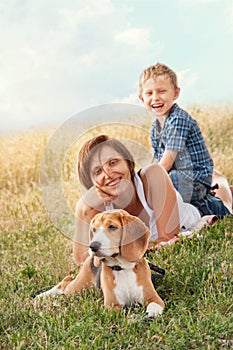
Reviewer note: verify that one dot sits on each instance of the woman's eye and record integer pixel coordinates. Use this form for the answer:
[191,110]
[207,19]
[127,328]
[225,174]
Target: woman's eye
[97,171]
[112,228]
[113,162]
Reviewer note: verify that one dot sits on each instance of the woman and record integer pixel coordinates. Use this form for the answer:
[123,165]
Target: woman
[107,170]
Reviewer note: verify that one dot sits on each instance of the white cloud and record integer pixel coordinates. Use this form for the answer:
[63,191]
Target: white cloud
[231,18]
[87,11]
[197,2]
[187,78]
[132,99]
[77,54]
[139,37]
[65,59]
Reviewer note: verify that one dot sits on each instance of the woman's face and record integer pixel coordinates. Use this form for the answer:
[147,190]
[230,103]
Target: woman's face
[108,168]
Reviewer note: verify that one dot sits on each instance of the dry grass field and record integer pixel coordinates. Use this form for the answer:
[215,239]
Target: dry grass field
[20,161]
[34,255]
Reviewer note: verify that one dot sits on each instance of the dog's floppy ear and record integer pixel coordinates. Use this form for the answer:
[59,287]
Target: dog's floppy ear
[92,224]
[90,233]
[135,237]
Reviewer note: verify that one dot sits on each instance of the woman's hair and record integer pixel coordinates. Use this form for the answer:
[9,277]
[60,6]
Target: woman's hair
[94,145]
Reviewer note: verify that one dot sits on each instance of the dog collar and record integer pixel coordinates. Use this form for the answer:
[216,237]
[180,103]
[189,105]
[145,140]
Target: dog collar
[116,268]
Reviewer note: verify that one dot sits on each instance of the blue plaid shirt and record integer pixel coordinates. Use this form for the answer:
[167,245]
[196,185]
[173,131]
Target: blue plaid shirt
[181,133]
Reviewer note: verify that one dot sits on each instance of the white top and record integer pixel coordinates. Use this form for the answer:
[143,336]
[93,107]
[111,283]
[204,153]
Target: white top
[189,215]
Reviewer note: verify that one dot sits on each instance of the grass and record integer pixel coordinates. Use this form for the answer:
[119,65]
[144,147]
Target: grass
[197,290]
[197,287]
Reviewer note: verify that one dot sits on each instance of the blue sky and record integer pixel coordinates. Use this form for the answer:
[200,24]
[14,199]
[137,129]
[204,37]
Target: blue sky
[59,57]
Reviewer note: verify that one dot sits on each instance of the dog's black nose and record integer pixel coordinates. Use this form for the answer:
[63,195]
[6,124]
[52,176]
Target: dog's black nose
[94,246]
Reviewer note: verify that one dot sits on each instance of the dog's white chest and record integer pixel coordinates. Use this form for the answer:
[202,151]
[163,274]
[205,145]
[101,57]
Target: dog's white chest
[126,289]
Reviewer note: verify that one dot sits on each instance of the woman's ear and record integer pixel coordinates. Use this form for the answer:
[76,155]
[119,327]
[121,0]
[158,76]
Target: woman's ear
[135,237]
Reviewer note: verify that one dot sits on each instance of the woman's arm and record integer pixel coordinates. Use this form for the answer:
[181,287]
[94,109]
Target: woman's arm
[83,215]
[161,197]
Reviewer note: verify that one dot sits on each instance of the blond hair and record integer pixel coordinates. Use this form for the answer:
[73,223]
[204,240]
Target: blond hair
[154,71]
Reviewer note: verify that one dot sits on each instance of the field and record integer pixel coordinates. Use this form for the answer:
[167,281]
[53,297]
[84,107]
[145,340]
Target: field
[197,286]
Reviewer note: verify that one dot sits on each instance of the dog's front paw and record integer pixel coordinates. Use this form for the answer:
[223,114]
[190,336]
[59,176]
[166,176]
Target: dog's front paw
[51,292]
[154,310]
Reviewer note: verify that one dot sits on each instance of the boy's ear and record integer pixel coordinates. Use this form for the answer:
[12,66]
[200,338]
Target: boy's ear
[141,98]
[177,93]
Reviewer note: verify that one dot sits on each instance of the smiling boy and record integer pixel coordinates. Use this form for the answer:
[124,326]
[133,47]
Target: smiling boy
[176,138]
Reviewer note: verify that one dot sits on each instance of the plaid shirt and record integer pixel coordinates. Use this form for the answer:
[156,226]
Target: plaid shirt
[181,133]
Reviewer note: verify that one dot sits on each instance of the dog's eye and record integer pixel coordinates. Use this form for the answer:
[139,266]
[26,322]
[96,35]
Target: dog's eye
[94,229]
[112,228]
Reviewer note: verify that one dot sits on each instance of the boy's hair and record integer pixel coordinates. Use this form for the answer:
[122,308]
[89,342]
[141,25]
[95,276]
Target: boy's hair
[154,71]
[95,145]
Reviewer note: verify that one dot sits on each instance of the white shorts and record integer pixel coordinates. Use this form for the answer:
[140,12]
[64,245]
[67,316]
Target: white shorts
[189,215]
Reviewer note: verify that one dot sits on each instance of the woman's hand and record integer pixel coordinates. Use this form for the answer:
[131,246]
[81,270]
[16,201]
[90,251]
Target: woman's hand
[121,195]
[106,194]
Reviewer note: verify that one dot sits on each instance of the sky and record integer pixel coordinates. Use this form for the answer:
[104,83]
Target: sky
[60,57]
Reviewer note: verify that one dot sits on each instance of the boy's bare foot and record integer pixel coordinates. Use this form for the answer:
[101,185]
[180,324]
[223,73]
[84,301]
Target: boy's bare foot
[231,188]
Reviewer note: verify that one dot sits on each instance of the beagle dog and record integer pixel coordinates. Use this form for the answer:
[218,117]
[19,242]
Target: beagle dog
[116,264]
